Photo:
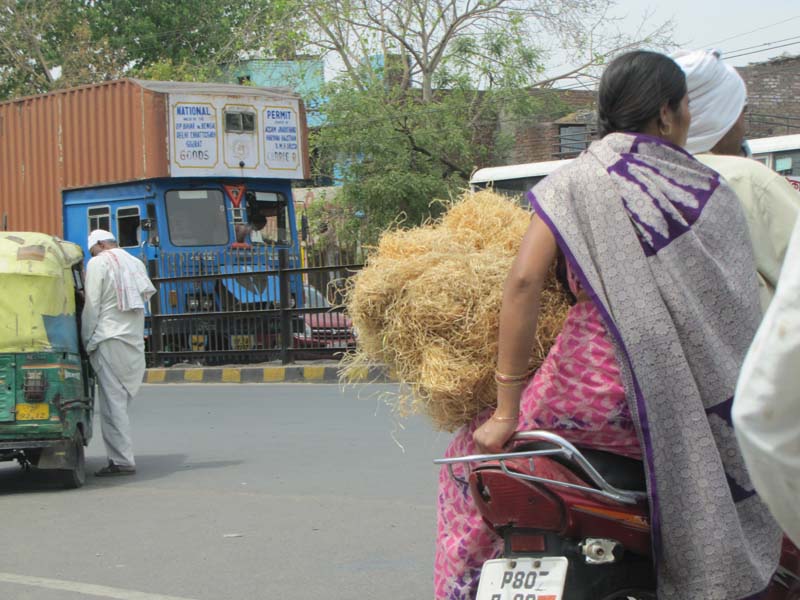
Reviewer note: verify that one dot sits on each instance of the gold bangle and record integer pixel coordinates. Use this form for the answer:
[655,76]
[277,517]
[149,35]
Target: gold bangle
[514,384]
[505,378]
[496,418]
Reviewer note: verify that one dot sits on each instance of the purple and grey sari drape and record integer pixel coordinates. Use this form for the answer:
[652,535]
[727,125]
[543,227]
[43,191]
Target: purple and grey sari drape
[661,245]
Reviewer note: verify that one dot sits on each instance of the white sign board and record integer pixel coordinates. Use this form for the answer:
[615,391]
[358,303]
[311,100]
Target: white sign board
[195,135]
[281,138]
[235,136]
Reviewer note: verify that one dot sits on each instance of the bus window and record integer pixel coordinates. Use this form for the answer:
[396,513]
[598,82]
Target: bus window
[787,163]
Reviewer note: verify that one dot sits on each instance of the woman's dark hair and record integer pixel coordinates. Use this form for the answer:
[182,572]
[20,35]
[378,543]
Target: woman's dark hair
[633,89]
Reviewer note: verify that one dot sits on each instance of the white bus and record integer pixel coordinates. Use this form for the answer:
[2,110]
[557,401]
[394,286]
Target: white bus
[781,154]
[514,180]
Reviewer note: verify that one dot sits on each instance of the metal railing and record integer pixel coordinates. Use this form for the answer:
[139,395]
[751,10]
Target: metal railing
[245,305]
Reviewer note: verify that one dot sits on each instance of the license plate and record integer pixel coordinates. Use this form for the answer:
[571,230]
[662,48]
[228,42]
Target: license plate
[33,412]
[242,342]
[524,578]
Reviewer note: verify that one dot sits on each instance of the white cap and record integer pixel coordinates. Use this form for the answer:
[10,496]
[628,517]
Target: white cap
[100,235]
[717,96]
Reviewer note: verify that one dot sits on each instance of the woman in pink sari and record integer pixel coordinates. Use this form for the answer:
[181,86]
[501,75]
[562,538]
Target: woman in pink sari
[659,245]
[577,392]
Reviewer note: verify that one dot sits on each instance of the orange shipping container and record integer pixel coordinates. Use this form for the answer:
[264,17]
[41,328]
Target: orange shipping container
[129,130]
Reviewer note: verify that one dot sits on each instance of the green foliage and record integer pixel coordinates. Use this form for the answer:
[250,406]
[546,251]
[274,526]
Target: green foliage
[398,154]
[48,44]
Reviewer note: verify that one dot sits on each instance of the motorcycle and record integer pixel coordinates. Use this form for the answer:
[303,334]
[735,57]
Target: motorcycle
[575,524]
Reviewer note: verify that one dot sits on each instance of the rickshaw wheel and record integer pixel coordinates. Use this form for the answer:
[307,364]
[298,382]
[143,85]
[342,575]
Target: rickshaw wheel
[75,477]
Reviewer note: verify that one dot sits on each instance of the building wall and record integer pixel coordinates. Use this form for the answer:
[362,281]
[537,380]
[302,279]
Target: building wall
[773,96]
[539,140]
[773,90]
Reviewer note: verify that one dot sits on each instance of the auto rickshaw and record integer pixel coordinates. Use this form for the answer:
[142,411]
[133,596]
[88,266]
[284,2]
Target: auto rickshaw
[46,382]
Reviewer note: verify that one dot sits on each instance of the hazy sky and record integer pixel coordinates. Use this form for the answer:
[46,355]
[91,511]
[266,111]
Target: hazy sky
[745,30]
[733,26]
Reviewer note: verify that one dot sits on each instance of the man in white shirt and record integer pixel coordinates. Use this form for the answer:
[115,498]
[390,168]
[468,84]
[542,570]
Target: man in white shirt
[717,102]
[112,327]
[766,409]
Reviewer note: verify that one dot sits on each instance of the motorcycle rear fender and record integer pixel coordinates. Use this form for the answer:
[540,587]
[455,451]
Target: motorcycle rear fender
[504,500]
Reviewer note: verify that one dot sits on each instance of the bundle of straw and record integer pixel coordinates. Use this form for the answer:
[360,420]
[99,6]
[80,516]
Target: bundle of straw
[427,305]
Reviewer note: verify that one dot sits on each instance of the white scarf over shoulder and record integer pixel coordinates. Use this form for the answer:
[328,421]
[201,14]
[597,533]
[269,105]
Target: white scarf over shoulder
[133,286]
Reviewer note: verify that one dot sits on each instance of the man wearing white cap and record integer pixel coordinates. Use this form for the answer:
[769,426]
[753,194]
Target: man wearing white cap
[717,102]
[766,408]
[112,327]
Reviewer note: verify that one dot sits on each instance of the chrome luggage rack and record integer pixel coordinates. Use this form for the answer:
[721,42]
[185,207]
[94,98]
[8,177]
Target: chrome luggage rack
[562,448]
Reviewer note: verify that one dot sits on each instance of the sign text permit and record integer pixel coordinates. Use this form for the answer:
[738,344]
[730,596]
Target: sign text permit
[281,137]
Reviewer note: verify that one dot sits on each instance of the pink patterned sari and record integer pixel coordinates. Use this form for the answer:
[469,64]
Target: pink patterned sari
[577,393]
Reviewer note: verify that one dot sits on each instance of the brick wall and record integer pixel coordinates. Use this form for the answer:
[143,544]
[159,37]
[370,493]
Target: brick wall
[773,90]
[538,140]
[773,93]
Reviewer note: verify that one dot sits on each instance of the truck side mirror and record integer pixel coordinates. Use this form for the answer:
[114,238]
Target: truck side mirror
[146,224]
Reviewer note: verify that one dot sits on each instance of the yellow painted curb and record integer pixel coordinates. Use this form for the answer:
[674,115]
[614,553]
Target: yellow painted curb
[358,374]
[230,375]
[274,374]
[156,375]
[193,375]
[313,373]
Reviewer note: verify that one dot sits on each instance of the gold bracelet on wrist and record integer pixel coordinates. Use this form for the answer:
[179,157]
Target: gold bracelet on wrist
[496,418]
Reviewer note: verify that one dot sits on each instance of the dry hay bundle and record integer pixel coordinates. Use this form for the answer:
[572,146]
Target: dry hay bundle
[427,305]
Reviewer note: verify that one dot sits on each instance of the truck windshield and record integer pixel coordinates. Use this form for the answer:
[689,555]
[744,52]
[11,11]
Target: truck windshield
[196,218]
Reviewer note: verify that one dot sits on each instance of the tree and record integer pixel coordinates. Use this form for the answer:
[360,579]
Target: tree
[47,44]
[425,84]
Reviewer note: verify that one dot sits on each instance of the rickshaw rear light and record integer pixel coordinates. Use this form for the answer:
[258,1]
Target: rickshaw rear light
[34,386]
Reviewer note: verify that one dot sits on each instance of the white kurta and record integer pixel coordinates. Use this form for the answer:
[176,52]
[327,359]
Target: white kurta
[771,206]
[114,340]
[766,409]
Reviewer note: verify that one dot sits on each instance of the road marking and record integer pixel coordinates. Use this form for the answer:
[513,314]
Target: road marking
[88,589]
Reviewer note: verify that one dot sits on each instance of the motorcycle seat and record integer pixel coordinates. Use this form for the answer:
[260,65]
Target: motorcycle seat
[620,471]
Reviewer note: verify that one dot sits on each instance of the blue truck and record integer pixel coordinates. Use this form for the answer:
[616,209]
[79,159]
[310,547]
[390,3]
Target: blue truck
[195,179]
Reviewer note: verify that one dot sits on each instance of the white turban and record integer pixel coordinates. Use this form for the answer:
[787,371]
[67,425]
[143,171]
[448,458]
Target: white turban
[100,235]
[717,96]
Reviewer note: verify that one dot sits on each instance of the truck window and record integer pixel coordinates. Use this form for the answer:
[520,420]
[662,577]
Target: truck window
[196,217]
[128,226]
[267,219]
[240,122]
[100,218]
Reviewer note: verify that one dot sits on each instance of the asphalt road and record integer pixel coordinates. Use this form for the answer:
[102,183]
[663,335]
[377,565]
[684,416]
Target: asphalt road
[285,491]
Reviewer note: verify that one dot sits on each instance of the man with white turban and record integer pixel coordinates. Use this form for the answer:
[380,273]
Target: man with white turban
[112,327]
[717,102]
[766,408]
